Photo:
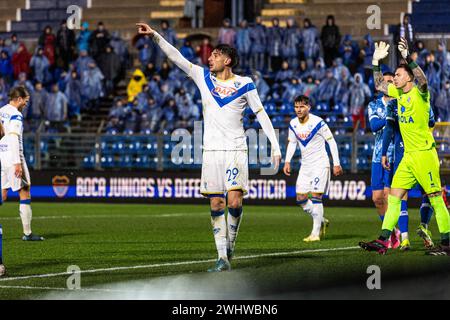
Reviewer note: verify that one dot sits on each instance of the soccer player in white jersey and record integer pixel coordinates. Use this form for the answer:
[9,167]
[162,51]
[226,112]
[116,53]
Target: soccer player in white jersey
[225,157]
[14,171]
[310,133]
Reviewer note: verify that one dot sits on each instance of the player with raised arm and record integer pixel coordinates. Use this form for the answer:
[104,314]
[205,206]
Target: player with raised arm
[391,134]
[381,178]
[15,174]
[310,133]
[225,156]
[420,163]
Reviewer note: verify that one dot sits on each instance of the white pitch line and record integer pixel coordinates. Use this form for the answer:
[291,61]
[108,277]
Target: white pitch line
[167,215]
[181,263]
[67,289]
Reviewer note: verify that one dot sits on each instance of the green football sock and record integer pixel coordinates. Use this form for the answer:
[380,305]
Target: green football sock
[392,214]
[442,216]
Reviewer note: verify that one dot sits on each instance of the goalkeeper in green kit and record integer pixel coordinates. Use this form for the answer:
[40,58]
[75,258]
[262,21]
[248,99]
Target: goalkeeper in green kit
[420,163]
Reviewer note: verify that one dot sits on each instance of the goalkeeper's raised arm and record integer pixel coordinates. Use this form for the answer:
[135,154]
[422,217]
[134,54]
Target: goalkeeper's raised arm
[172,53]
[419,75]
[381,52]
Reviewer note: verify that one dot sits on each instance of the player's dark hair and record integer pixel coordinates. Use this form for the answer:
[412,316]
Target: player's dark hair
[230,52]
[302,99]
[388,73]
[18,92]
[407,69]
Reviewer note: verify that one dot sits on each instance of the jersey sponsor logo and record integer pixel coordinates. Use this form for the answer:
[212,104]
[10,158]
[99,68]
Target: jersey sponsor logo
[223,92]
[60,185]
[404,119]
[402,109]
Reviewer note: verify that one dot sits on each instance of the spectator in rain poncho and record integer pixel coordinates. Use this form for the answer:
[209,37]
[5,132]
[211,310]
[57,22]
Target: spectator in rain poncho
[432,70]
[327,88]
[21,61]
[116,117]
[261,86]
[331,39]
[292,90]
[170,36]
[359,95]
[188,52]
[83,61]
[74,94]
[39,65]
[342,91]
[56,109]
[150,119]
[318,73]
[169,114]
[38,102]
[132,119]
[204,51]
[443,58]
[91,85]
[243,45]
[23,81]
[303,71]
[6,67]
[5,47]
[339,69]
[349,51]
[367,52]
[443,103]
[83,38]
[47,41]
[310,41]
[110,66]
[227,34]
[120,48]
[258,38]
[275,43]
[147,50]
[98,41]
[15,44]
[136,84]
[4,90]
[187,111]
[422,53]
[309,87]
[291,43]
[285,74]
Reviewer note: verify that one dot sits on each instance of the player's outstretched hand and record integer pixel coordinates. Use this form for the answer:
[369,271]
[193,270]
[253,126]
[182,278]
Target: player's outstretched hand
[18,170]
[403,48]
[385,163]
[287,169]
[144,28]
[337,170]
[381,52]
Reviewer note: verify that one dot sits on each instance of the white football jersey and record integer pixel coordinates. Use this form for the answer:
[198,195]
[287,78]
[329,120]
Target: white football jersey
[311,137]
[12,121]
[224,103]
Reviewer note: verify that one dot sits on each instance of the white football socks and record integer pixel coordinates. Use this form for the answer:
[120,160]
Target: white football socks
[234,220]
[26,216]
[219,225]
[317,217]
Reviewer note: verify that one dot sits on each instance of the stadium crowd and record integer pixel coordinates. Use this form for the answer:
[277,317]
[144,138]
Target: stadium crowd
[71,71]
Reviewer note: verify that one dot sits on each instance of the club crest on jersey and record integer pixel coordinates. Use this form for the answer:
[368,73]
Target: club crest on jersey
[237,84]
[402,109]
[221,92]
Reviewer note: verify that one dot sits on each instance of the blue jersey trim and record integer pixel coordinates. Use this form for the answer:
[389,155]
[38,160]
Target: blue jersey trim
[224,101]
[16,117]
[311,134]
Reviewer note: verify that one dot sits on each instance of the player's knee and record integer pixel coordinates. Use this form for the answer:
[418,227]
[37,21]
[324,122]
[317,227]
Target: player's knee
[302,197]
[217,204]
[378,200]
[235,203]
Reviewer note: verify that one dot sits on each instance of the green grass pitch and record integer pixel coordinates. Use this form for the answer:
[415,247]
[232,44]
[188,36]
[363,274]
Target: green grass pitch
[176,240]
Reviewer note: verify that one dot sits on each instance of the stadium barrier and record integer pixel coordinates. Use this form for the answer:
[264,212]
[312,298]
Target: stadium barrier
[153,187]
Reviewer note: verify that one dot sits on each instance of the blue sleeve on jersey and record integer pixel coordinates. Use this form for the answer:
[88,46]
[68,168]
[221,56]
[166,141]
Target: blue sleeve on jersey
[432,120]
[377,124]
[388,133]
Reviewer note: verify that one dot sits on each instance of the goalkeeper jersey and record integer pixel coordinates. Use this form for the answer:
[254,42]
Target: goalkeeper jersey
[413,117]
